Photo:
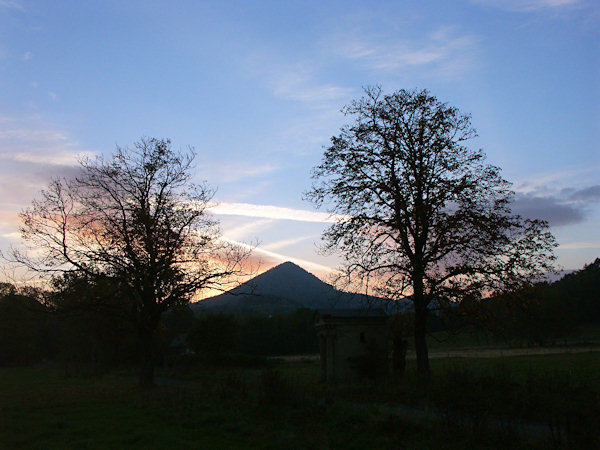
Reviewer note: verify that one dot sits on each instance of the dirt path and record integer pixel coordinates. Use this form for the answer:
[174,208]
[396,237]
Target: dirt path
[474,352]
[500,352]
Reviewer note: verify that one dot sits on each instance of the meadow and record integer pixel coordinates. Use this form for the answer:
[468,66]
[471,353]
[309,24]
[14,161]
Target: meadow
[543,401]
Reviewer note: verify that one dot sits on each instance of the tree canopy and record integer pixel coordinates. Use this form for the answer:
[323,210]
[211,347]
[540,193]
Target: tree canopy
[137,220]
[421,213]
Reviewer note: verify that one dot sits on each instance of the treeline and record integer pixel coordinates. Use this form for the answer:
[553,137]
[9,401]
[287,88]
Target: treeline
[89,324]
[278,334]
[543,314]
[67,326]
[84,325]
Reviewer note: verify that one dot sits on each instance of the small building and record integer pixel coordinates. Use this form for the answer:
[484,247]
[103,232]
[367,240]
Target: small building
[353,343]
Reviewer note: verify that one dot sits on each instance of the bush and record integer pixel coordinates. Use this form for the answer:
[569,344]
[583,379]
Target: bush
[571,412]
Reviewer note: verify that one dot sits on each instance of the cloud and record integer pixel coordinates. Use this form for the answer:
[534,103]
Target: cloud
[444,52]
[291,86]
[552,183]
[30,154]
[242,231]
[236,171]
[298,81]
[34,143]
[528,5]
[552,209]
[11,4]
[563,207]
[273,212]
[591,193]
[580,246]
[287,242]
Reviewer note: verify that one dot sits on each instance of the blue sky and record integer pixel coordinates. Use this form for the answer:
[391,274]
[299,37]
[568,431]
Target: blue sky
[256,88]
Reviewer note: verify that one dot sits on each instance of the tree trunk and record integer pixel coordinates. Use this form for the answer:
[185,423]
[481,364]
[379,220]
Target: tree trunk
[421,339]
[147,355]
[420,326]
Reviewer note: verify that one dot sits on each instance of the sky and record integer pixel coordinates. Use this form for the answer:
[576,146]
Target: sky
[256,88]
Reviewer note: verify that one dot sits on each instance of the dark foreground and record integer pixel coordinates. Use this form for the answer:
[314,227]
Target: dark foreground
[548,401]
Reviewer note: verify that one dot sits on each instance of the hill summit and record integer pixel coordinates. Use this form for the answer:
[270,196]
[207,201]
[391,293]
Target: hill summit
[281,289]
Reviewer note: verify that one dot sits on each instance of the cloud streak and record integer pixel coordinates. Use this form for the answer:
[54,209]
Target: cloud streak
[230,172]
[287,242]
[275,258]
[242,231]
[580,246]
[273,212]
[528,5]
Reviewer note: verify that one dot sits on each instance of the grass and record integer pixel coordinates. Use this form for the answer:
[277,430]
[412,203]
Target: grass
[470,338]
[276,405]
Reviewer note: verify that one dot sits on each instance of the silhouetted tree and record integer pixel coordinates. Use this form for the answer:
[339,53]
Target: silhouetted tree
[135,219]
[420,213]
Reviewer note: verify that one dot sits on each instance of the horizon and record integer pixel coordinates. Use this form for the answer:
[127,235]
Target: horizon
[256,89]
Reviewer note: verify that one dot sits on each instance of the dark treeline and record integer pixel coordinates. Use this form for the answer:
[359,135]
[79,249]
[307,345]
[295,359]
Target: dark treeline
[80,323]
[543,314]
[278,334]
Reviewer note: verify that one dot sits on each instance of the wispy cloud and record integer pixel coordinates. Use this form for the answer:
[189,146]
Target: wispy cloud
[580,246]
[271,258]
[11,4]
[30,142]
[445,52]
[550,183]
[273,212]
[243,231]
[298,81]
[291,85]
[236,171]
[529,5]
[287,242]
[27,149]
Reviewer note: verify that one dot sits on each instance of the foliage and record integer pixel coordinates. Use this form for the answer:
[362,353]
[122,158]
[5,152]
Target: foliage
[136,221]
[24,327]
[582,290]
[213,334]
[542,314]
[91,327]
[421,214]
[278,334]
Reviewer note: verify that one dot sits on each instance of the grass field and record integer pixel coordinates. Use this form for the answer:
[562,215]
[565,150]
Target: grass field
[283,405]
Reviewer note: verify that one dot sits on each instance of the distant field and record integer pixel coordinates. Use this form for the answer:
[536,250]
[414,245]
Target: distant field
[283,405]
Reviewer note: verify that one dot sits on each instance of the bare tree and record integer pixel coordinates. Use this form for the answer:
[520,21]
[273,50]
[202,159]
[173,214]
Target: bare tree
[425,217]
[137,220]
